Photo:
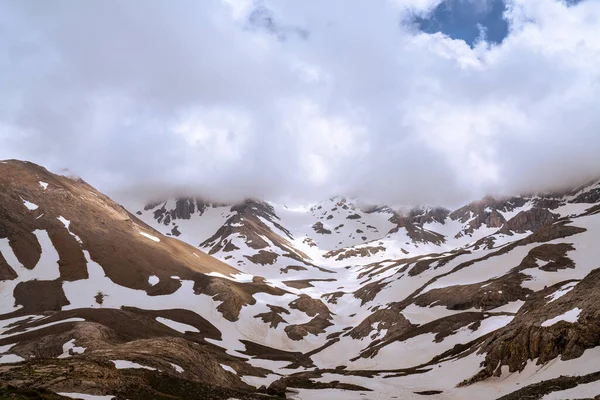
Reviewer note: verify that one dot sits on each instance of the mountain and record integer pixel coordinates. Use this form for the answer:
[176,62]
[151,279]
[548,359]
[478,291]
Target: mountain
[184,298]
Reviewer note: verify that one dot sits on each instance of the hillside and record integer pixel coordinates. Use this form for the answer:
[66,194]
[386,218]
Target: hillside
[337,299]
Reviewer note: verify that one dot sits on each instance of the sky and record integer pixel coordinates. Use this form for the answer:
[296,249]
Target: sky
[396,101]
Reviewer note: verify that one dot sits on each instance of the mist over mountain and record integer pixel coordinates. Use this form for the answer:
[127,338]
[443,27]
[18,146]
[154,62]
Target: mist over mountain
[308,100]
[302,200]
[186,298]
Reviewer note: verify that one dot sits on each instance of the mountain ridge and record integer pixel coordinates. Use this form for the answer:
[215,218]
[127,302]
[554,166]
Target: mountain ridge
[324,299]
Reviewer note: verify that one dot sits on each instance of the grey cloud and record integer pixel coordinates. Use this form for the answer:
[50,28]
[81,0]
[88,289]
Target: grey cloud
[150,98]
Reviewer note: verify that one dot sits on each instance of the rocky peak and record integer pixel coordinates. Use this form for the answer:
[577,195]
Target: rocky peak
[427,215]
[251,208]
[183,208]
[384,209]
[589,193]
[530,220]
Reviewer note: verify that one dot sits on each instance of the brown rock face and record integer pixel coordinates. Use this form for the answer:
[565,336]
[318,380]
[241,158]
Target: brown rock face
[263,257]
[274,316]
[426,216]
[525,338]
[6,271]
[413,223]
[365,251]
[184,209]
[389,319]
[531,220]
[39,296]
[319,228]
[313,308]
[248,223]
[483,296]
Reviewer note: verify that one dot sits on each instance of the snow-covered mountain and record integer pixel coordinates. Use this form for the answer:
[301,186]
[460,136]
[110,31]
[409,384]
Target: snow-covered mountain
[338,299]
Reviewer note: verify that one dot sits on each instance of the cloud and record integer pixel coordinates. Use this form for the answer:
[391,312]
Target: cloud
[299,100]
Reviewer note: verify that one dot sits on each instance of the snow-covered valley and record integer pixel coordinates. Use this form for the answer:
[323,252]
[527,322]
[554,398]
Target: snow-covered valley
[336,299]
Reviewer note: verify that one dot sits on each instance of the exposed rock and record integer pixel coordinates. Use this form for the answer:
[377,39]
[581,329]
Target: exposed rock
[274,316]
[305,283]
[263,257]
[525,339]
[365,251]
[484,296]
[391,320]
[293,268]
[318,227]
[313,308]
[530,220]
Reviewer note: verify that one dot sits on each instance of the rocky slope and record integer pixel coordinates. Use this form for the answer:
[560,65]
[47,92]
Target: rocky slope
[88,289]
[497,299]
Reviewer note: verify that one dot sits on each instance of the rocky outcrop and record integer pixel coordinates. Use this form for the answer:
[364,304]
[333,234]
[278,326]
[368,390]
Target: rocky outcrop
[253,222]
[413,224]
[388,319]
[184,209]
[273,317]
[319,228]
[528,338]
[484,296]
[363,251]
[263,257]
[530,220]
[313,308]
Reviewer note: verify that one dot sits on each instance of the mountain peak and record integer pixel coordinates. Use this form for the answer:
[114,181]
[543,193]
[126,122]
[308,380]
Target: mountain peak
[254,299]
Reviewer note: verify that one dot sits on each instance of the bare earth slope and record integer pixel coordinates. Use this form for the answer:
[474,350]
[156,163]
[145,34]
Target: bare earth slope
[88,291]
[497,299]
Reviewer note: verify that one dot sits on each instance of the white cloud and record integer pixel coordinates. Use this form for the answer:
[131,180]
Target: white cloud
[189,96]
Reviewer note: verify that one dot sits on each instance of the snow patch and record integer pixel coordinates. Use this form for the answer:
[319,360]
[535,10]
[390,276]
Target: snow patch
[240,277]
[44,185]
[67,225]
[4,349]
[177,368]
[30,206]
[10,358]
[561,292]
[83,396]
[153,280]
[153,238]
[70,345]
[228,368]
[178,326]
[582,391]
[124,364]
[570,316]
[423,315]
[64,221]
[512,307]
